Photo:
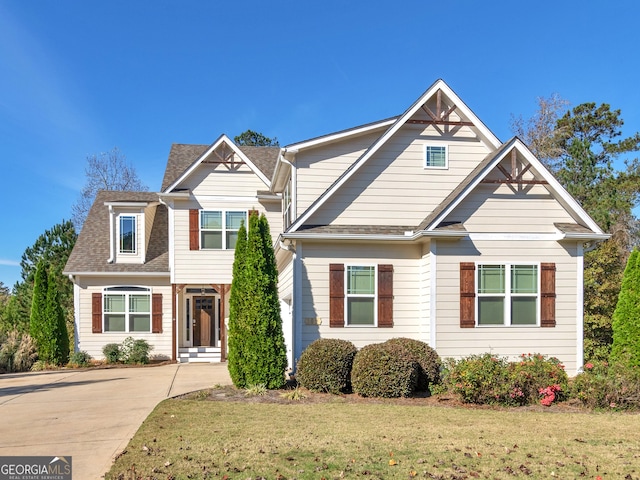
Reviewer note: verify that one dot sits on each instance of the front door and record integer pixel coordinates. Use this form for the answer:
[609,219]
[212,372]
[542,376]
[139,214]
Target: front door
[204,327]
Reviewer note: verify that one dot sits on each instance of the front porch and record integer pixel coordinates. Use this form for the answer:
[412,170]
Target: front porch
[200,322]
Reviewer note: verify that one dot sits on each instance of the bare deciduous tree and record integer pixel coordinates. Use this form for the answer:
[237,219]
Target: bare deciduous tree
[540,132]
[104,171]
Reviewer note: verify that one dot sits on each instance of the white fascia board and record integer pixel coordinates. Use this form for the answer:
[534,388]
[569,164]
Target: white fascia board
[391,131]
[118,274]
[127,204]
[376,238]
[222,139]
[314,142]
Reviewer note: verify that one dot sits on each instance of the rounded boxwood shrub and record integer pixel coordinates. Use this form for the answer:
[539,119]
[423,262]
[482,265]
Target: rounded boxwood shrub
[427,358]
[325,365]
[384,370]
[80,359]
[112,353]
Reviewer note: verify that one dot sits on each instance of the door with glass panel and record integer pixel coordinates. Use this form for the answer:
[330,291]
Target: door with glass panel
[204,322]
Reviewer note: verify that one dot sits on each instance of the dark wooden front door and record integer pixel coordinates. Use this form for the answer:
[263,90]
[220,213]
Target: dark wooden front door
[203,322]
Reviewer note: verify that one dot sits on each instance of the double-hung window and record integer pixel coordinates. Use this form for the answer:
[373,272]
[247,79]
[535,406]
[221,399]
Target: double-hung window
[127,309]
[436,156]
[219,229]
[286,206]
[127,242]
[361,295]
[508,294]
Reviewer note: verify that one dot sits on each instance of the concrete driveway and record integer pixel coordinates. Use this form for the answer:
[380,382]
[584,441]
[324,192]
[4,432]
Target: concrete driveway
[92,414]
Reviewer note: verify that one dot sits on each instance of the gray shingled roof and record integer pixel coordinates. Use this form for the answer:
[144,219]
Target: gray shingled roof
[182,156]
[356,229]
[92,249]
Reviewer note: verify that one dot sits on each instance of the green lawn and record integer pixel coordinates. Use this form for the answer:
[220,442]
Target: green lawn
[238,440]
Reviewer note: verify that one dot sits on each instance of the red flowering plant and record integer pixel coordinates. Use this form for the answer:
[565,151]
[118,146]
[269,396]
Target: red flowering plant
[536,372]
[549,394]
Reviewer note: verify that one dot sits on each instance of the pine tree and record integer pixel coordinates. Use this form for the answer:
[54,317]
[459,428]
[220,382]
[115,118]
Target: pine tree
[58,337]
[626,318]
[235,340]
[258,350]
[37,324]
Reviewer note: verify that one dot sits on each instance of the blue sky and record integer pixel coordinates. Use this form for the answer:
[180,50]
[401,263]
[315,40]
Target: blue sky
[80,77]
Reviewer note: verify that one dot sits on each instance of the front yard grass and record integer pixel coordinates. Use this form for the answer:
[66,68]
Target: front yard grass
[185,439]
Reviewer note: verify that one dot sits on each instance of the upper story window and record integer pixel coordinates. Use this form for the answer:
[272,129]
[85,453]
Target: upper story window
[436,156]
[361,295]
[508,294]
[219,229]
[127,234]
[127,309]
[287,211]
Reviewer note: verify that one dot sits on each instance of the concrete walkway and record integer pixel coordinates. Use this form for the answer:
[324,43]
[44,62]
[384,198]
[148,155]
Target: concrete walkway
[92,414]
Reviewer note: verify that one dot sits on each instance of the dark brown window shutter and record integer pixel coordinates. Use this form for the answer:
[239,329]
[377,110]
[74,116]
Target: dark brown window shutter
[467,295]
[156,313]
[548,295]
[385,296]
[194,230]
[254,212]
[336,295]
[96,313]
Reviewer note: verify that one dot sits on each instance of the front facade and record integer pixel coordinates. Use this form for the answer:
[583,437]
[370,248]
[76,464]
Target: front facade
[423,225]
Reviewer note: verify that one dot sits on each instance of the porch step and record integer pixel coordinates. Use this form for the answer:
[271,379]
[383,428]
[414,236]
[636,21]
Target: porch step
[199,355]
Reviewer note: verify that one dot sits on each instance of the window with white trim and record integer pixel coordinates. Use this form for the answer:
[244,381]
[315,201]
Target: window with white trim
[436,156]
[219,229]
[360,298]
[286,206]
[127,234]
[508,294]
[126,309]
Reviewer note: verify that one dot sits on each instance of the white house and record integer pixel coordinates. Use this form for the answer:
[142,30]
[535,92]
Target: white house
[423,225]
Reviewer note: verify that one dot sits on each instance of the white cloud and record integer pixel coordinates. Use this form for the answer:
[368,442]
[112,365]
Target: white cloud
[9,263]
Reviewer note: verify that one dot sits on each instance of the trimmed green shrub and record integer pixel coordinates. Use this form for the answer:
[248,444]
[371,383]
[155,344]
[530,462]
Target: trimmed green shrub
[135,351]
[257,352]
[80,359]
[112,353]
[605,386]
[383,370]
[480,379]
[427,358]
[626,317]
[17,352]
[325,365]
[58,336]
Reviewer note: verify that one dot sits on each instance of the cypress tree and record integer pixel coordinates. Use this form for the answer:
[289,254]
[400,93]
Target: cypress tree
[236,338]
[259,353]
[37,324]
[56,327]
[626,317]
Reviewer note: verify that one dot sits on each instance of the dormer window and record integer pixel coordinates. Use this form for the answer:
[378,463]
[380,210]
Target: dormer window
[127,234]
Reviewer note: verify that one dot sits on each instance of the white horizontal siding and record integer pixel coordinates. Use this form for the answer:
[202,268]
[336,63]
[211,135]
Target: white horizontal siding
[394,188]
[92,343]
[212,266]
[456,342]
[225,180]
[493,208]
[318,168]
[407,318]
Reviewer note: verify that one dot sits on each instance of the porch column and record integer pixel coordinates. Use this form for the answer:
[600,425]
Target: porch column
[223,289]
[174,330]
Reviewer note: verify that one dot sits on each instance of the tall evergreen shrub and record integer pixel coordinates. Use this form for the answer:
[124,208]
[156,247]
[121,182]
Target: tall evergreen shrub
[626,317]
[257,352]
[56,326]
[37,323]
[236,338]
